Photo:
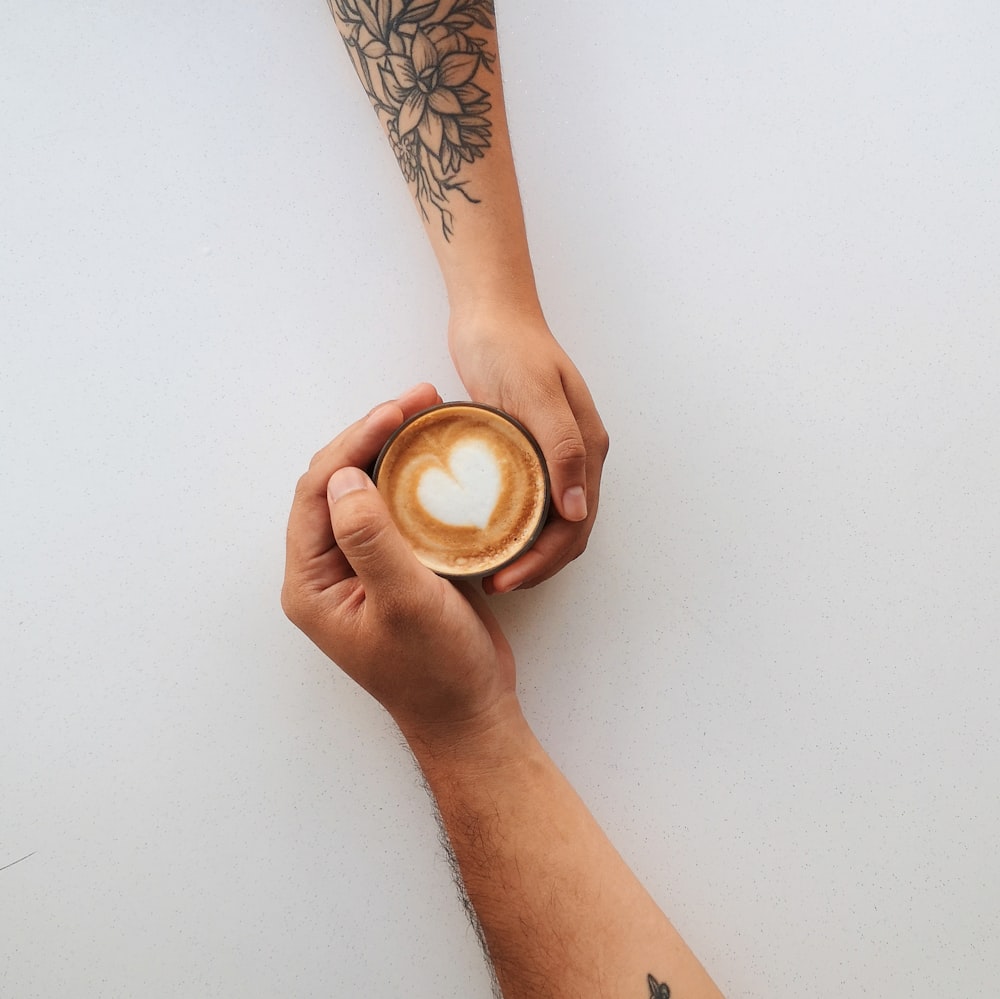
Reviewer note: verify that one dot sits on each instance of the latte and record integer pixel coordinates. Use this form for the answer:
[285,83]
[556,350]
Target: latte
[467,487]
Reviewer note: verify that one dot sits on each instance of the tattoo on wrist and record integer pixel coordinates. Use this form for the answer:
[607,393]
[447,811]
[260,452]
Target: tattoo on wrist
[657,990]
[417,60]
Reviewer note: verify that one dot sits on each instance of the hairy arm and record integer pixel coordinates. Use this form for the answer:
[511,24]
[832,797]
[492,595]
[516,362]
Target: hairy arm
[561,914]
[431,70]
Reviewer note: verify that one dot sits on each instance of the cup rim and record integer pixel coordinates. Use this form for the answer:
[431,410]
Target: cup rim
[528,436]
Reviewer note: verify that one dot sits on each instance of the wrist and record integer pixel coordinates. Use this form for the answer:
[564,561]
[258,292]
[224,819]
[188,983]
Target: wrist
[482,302]
[493,319]
[496,739]
[489,263]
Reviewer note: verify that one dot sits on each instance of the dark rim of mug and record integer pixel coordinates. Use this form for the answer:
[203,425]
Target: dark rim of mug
[528,436]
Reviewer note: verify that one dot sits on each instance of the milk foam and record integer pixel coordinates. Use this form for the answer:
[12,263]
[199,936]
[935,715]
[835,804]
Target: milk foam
[466,494]
[466,486]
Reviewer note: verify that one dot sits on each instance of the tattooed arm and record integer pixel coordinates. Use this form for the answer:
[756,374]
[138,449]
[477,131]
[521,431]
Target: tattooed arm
[559,912]
[431,71]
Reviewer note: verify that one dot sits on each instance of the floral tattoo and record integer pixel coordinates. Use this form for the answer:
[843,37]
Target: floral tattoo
[417,60]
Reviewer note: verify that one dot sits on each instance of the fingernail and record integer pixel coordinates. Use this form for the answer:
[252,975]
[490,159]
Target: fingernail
[347,480]
[574,503]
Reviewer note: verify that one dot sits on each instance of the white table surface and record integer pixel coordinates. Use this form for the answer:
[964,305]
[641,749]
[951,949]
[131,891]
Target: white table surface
[769,235]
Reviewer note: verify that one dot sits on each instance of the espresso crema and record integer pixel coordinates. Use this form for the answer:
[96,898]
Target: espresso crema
[466,485]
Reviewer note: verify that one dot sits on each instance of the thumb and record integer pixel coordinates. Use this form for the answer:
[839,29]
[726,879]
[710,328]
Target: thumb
[566,457]
[367,536]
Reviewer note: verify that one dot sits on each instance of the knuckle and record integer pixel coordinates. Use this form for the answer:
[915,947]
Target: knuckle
[576,548]
[358,533]
[569,449]
[292,603]
[316,458]
[305,486]
[603,443]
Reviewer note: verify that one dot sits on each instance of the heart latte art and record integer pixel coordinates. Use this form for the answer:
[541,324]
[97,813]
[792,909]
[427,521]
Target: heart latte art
[466,494]
[467,487]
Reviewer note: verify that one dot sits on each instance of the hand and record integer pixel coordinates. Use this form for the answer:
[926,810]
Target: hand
[514,363]
[435,658]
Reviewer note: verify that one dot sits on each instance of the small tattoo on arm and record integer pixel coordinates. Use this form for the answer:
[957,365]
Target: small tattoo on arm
[417,60]
[657,990]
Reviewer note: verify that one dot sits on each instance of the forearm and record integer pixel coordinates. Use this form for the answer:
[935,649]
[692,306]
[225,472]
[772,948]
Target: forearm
[431,70]
[561,913]
[432,73]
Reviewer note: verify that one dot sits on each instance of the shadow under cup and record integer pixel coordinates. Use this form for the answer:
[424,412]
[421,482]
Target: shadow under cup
[467,487]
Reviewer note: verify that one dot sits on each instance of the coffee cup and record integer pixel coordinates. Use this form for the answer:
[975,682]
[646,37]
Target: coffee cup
[467,487]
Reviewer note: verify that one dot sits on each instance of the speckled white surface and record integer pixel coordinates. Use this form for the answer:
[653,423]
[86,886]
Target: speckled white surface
[768,234]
